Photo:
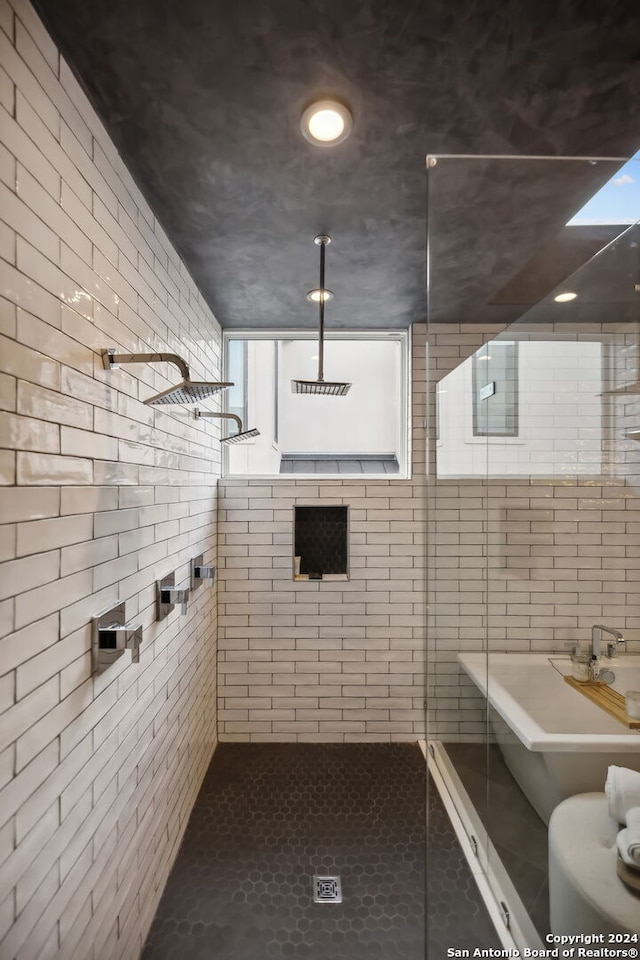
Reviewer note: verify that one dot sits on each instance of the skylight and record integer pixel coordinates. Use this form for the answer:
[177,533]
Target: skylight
[617,202]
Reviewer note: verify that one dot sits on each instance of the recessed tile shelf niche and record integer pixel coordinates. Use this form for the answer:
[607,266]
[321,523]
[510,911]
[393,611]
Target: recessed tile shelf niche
[320,545]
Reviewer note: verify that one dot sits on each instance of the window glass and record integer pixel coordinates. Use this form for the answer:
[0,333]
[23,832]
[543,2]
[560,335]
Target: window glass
[363,432]
[236,396]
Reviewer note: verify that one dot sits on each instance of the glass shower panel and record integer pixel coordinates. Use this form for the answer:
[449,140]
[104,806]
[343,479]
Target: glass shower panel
[535,387]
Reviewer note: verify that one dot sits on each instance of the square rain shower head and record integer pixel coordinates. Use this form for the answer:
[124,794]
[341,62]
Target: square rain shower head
[237,437]
[327,388]
[187,392]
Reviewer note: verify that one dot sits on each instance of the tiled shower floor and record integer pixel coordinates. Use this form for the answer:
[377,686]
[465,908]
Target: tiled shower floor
[270,816]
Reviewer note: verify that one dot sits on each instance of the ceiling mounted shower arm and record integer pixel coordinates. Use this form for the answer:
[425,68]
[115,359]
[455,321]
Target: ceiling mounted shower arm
[111,360]
[322,241]
[321,386]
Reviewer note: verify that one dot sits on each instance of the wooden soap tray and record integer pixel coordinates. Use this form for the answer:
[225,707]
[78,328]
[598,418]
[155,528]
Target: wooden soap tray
[607,698]
[629,875]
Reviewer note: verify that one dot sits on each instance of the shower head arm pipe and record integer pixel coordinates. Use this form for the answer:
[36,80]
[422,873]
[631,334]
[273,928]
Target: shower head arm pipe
[323,243]
[321,386]
[111,359]
[220,416]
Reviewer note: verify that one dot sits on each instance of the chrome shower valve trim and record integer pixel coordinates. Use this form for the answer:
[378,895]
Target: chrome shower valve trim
[111,636]
[169,596]
[201,572]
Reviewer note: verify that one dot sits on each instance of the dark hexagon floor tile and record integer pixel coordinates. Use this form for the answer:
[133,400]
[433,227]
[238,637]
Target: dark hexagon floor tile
[270,816]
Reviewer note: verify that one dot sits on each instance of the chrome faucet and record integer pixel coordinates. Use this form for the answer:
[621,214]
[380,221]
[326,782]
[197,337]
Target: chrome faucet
[612,646]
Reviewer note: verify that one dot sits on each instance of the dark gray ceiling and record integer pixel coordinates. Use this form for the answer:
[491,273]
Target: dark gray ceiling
[203,98]
[499,243]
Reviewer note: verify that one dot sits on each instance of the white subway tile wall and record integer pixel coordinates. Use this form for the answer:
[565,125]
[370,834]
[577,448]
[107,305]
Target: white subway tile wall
[102,496]
[325,660]
[526,565]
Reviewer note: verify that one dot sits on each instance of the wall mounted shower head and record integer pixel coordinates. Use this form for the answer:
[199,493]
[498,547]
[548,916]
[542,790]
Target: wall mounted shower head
[327,388]
[185,392]
[235,437]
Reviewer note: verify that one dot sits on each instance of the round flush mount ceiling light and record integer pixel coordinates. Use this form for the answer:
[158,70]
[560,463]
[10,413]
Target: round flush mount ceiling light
[314,295]
[565,297]
[326,123]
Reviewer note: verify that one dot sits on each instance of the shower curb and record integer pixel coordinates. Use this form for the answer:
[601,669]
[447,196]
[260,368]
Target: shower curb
[484,863]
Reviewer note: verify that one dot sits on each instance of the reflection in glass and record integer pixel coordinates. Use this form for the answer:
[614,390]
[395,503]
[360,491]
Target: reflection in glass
[495,389]
[533,502]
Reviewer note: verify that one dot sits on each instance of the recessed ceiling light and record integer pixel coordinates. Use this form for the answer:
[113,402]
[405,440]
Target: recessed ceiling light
[565,297]
[314,295]
[326,123]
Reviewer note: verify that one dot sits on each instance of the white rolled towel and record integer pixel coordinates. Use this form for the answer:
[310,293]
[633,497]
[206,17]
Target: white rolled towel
[622,788]
[629,839]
